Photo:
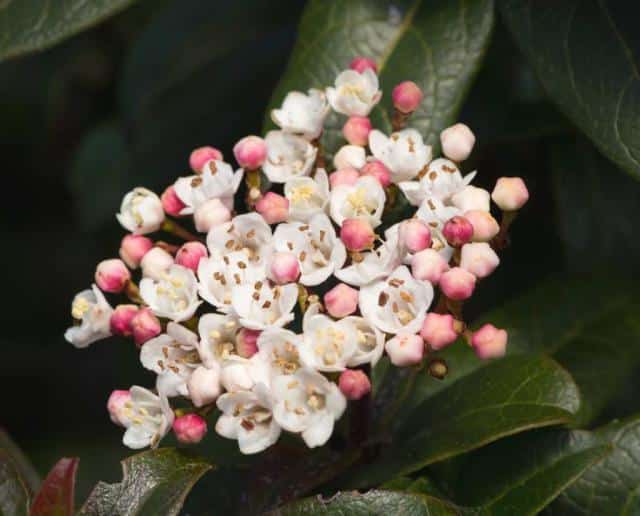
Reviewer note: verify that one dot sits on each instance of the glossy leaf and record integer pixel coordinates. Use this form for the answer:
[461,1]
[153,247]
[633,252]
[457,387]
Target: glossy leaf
[14,494]
[21,462]
[57,493]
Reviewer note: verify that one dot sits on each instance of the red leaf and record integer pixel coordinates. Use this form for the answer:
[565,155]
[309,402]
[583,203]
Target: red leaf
[56,496]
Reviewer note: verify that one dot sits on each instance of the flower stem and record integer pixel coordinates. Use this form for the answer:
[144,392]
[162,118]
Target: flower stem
[399,120]
[501,240]
[171,226]
[133,292]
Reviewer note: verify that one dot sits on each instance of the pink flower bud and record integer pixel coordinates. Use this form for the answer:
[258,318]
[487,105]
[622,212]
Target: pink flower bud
[171,203]
[356,130]
[489,342]
[120,322]
[375,168]
[133,248]
[457,142]
[345,176]
[360,64]
[429,266]
[116,406]
[284,268]
[457,284]
[189,255]
[155,263]
[247,342]
[112,275]
[145,325]
[406,96]
[190,428]
[415,235]
[211,214]
[485,227]
[204,385]
[354,384]
[250,152]
[274,208]
[405,349]
[458,231]
[357,234]
[510,193]
[341,300]
[479,259]
[201,155]
[438,330]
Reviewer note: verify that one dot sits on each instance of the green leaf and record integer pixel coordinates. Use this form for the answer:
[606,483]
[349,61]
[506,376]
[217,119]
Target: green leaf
[30,25]
[14,494]
[438,44]
[585,55]
[153,482]
[57,493]
[21,462]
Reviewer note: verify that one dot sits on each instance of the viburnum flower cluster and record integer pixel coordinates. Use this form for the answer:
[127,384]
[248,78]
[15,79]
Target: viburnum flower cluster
[274,310]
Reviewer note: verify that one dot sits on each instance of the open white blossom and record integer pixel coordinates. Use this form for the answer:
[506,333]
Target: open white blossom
[396,304]
[94,313]
[281,349]
[369,342]
[327,345]
[362,200]
[248,233]
[302,114]
[307,196]
[288,156]
[403,153]
[261,305]
[242,374]
[147,418]
[354,93]
[141,211]
[217,338]
[436,214]
[174,295]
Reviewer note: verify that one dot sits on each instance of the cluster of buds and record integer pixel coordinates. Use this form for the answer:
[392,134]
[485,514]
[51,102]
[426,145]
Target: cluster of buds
[213,314]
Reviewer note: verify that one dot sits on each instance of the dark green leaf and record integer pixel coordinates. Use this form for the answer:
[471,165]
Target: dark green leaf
[420,485]
[30,25]
[437,44]
[14,494]
[57,493]
[21,462]
[586,56]
[154,482]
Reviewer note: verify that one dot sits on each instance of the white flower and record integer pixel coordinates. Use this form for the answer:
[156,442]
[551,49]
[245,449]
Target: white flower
[436,214]
[396,304]
[262,305]
[217,181]
[174,295]
[281,349]
[403,153]
[248,233]
[307,196]
[242,374]
[441,180]
[308,403]
[349,156]
[147,418]
[94,313]
[247,417]
[302,114]
[472,198]
[319,251]
[354,93]
[288,156]
[373,265]
[217,338]
[141,211]
[369,342]
[327,345]
[173,356]
[362,200]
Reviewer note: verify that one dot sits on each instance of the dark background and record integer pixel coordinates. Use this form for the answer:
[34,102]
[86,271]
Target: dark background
[122,105]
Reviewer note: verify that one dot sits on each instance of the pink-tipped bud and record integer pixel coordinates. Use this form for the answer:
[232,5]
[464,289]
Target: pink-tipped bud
[133,248]
[429,266]
[405,349]
[458,284]
[357,234]
[112,275]
[458,231]
[439,330]
[116,406]
[415,235]
[510,193]
[360,64]
[375,168]
[345,176]
[479,259]
[204,385]
[250,152]
[120,322]
[406,96]
[274,208]
[457,142]
[145,325]
[155,263]
[354,384]
[485,227]
[489,342]
[171,203]
[356,130]
[211,214]
[341,300]
[201,155]
[284,268]
[247,342]
[190,254]
[190,428]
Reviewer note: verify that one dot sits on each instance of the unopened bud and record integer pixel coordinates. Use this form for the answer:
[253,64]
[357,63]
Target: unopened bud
[489,342]
[360,64]
[438,368]
[190,428]
[116,407]
[349,156]
[375,168]
[341,300]
[428,265]
[406,97]
[415,235]
[211,214]
[204,385]
[357,234]
[439,330]
[247,342]
[457,142]
[356,130]
[156,263]
[457,284]
[354,384]
[112,275]
[471,198]
[284,268]
[345,176]
[120,322]
[133,248]
[250,152]
[171,203]
[144,326]
[274,208]
[510,193]
[485,227]
[202,155]
[479,259]
[405,349]
[190,254]
[458,231]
